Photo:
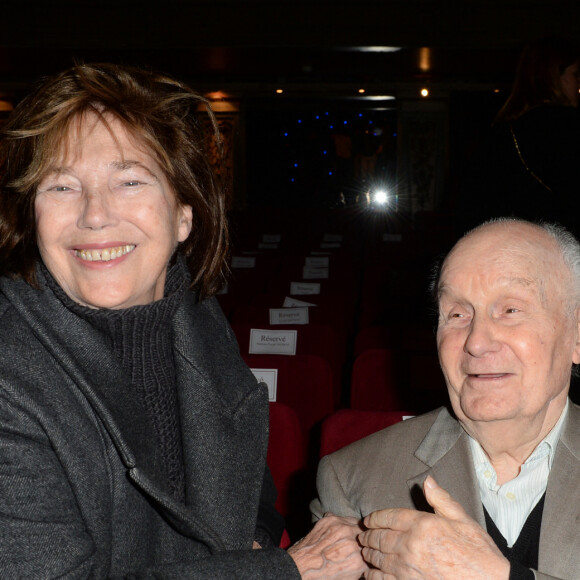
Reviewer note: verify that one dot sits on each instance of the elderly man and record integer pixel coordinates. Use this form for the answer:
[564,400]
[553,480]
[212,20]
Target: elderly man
[491,491]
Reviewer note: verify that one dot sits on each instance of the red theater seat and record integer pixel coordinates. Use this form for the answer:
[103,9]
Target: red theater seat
[349,425]
[285,452]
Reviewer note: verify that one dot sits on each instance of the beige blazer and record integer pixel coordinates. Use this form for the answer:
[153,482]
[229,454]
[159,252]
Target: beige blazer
[387,469]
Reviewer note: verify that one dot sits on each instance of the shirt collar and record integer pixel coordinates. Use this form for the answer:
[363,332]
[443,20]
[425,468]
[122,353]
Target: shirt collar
[546,446]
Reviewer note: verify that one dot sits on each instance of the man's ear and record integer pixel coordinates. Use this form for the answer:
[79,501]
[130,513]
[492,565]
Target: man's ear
[576,354]
[185,222]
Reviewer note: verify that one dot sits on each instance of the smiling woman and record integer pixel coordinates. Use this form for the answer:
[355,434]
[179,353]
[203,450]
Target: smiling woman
[150,117]
[121,382]
[107,219]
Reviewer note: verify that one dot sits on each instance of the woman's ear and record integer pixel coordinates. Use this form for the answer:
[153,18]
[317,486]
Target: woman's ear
[185,224]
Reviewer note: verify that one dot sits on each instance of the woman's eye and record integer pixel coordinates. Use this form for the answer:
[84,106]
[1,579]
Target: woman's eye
[131,183]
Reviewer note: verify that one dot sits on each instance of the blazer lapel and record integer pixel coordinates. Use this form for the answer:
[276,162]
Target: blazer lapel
[562,505]
[445,451]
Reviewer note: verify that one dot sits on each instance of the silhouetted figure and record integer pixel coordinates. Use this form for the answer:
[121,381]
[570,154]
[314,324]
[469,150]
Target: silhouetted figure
[527,166]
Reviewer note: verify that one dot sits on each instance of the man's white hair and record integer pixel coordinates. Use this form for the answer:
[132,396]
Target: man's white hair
[570,250]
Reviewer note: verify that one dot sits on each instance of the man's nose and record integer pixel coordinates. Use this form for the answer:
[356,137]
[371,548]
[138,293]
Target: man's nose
[95,210]
[482,337]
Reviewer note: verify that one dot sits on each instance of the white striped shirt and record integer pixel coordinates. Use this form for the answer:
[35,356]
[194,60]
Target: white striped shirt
[510,504]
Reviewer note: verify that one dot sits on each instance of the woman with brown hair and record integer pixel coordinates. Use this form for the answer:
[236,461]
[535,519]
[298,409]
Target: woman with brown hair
[133,437]
[527,166]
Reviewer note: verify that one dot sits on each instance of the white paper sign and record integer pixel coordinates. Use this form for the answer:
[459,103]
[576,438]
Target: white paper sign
[271,238]
[290,302]
[312,273]
[316,261]
[332,238]
[243,262]
[272,341]
[270,377]
[392,237]
[289,315]
[304,288]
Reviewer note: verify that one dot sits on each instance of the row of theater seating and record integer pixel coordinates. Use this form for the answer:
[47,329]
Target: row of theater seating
[288,464]
[368,346]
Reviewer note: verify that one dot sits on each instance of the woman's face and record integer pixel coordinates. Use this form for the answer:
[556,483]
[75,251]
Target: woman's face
[570,82]
[107,219]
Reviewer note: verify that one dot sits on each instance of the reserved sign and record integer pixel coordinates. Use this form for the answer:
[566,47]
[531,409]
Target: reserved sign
[330,245]
[290,302]
[289,315]
[244,262]
[305,288]
[272,238]
[332,238]
[312,272]
[316,261]
[273,341]
[270,378]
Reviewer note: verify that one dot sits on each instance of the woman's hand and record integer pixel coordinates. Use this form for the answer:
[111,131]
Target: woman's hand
[330,550]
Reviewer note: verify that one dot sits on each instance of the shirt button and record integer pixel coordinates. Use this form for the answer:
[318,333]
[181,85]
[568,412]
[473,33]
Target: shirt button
[510,495]
[487,473]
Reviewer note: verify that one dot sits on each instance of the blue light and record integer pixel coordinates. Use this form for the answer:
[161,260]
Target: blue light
[295,164]
[332,127]
[300,120]
[324,152]
[360,114]
[345,122]
[285,134]
[317,116]
[330,173]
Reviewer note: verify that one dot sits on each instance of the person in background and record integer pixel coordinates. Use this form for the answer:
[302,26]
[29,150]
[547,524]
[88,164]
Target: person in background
[488,489]
[526,167]
[133,437]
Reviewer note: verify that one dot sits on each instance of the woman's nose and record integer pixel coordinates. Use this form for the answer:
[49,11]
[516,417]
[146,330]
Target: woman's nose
[95,211]
[482,337]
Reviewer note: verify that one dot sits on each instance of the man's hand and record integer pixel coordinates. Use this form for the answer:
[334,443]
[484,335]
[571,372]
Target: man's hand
[330,550]
[408,544]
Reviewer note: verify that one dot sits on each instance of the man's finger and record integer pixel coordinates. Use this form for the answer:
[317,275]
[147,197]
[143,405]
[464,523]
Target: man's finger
[399,519]
[442,502]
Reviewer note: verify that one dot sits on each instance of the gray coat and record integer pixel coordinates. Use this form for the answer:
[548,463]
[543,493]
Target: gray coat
[79,476]
[387,469]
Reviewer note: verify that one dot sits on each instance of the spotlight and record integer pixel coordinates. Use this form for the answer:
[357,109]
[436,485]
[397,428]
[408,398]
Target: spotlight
[380,197]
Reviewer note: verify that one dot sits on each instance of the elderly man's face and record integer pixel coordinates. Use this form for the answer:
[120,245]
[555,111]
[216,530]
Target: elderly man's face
[506,337]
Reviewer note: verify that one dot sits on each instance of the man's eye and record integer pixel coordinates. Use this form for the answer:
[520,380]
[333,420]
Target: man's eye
[457,315]
[512,310]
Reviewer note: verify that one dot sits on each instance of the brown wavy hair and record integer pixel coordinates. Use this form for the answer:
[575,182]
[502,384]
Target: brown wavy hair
[537,80]
[167,116]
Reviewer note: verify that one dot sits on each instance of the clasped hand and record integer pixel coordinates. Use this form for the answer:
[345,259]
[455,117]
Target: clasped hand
[406,544]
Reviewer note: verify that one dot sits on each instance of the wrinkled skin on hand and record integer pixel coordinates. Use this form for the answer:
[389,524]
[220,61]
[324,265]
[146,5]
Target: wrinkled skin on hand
[330,550]
[411,545]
